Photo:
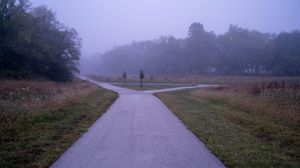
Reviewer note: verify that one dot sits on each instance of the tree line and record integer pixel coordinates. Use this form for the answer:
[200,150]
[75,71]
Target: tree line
[34,43]
[238,51]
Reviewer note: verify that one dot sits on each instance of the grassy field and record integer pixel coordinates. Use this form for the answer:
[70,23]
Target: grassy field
[246,124]
[40,119]
[148,87]
[192,79]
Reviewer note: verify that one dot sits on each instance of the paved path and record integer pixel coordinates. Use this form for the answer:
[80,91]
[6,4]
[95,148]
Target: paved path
[138,131]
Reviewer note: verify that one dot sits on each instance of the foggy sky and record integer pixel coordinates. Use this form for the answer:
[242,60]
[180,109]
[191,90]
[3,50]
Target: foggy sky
[103,24]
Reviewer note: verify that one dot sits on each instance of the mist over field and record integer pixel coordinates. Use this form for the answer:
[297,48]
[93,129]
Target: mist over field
[102,25]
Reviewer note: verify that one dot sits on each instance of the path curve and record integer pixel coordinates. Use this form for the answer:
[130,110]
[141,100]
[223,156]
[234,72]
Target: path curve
[138,131]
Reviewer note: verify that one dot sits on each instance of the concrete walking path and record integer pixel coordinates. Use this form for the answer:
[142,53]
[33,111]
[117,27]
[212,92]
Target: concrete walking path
[138,131]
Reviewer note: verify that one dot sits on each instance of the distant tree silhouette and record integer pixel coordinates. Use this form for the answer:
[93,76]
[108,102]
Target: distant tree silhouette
[286,57]
[238,51]
[124,77]
[142,76]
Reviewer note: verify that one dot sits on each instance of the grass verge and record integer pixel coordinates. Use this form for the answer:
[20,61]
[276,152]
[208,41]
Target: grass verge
[239,137]
[43,135]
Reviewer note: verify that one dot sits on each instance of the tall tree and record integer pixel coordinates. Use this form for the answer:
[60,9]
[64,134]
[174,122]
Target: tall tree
[286,54]
[200,48]
[14,33]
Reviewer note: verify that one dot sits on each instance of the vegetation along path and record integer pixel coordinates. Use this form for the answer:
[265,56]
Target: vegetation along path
[138,131]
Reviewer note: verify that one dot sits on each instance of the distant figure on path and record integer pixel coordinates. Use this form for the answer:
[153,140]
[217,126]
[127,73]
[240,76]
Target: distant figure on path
[124,77]
[142,76]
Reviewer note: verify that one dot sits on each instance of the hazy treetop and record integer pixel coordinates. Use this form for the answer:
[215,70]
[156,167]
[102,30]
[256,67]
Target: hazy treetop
[105,23]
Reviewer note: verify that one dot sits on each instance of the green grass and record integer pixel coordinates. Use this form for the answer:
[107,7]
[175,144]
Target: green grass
[148,87]
[236,136]
[45,135]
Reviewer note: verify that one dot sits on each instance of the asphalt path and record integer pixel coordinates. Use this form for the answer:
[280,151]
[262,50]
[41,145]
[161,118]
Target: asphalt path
[138,131]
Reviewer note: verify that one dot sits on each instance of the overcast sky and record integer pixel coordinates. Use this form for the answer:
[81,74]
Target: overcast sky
[103,24]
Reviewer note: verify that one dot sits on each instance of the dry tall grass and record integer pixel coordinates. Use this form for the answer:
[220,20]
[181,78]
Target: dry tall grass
[19,99]
[277,100]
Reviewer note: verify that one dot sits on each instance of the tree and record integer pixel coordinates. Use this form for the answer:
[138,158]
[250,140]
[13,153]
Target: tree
[242,51]
[286,54]
[142,76]
[59,44]
[33,42]
[124,77]
[200,49]
[14,33]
